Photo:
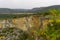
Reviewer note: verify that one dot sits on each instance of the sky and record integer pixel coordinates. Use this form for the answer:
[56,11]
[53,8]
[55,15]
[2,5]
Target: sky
[27,4]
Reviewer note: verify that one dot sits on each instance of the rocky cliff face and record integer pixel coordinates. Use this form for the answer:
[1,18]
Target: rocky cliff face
[23,23]
[26,22]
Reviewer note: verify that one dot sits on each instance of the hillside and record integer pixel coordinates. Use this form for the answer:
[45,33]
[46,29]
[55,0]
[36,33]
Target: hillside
[44,9]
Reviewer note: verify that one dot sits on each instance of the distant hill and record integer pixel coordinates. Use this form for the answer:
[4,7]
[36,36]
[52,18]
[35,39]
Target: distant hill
[20,10]
[7,10]
[41,9]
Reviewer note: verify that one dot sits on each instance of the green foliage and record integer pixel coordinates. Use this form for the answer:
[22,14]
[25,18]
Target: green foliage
[53,28]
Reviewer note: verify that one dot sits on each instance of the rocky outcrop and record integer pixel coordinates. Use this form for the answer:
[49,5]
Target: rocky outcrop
[23,23]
